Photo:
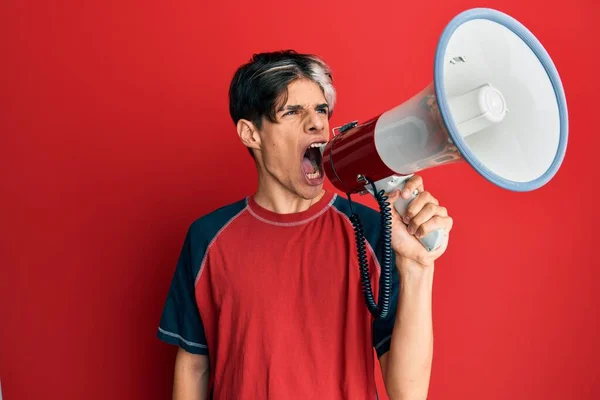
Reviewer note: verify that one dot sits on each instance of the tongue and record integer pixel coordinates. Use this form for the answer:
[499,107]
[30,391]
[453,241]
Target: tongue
[307,166]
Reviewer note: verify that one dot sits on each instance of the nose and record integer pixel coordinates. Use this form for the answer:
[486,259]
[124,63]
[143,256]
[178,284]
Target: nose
[314,122]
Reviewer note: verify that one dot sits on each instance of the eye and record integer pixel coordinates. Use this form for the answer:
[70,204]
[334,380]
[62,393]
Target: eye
[322,110]
[290,113]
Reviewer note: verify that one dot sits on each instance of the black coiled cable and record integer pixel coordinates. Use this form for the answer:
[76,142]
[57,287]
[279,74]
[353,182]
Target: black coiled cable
[382,307]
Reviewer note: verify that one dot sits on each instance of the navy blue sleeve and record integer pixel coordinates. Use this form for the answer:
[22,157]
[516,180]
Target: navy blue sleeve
[180,323]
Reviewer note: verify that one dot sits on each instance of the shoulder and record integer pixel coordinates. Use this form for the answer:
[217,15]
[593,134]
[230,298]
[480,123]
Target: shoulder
[342,205]
[201,234]
[370,218]
[371,223]
[205,228]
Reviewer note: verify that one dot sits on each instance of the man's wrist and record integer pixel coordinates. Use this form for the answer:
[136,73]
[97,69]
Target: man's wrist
[410,269]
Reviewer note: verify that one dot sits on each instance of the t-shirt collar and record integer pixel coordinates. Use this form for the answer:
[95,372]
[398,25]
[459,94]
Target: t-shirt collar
[290,219]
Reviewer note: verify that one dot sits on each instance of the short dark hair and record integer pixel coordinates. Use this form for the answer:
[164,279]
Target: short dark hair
[259,86]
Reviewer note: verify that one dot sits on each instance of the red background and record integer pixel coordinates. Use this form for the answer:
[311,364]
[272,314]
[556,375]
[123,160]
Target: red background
[115,135]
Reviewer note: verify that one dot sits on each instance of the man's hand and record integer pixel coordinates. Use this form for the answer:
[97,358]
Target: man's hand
[423,215]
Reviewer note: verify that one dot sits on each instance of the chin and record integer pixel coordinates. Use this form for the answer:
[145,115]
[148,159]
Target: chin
[309,192]
[313,192]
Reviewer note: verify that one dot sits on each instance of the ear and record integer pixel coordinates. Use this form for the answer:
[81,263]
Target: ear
[248,134]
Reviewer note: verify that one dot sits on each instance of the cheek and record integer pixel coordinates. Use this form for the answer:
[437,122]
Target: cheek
[281,154]
[286,153]
[281,149]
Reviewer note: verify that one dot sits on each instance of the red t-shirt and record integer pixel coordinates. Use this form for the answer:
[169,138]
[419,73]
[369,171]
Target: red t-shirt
[275,301]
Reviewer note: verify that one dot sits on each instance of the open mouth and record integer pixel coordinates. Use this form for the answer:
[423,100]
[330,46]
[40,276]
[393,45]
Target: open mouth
[312,162]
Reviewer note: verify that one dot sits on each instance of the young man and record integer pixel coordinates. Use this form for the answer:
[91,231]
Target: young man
[266,299]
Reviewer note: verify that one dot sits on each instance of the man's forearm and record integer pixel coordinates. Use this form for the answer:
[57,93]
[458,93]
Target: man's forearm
[409,360]
[191,377]
[191,386]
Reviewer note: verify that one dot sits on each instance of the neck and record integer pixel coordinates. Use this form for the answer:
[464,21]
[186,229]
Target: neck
[275,197]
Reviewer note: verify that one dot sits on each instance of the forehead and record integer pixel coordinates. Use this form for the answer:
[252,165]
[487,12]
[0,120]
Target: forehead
[305,92]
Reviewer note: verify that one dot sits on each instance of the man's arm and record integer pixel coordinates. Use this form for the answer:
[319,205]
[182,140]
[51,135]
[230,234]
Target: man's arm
[191,376]
[406,367]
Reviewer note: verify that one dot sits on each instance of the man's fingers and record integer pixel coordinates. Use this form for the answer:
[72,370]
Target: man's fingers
[417,205]
[426,213]
[414,183]
[434,223]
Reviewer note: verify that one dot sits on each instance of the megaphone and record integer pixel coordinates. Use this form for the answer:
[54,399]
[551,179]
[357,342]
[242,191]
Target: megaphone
[496,102]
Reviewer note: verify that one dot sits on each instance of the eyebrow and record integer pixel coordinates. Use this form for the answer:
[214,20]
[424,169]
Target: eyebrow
[296,107]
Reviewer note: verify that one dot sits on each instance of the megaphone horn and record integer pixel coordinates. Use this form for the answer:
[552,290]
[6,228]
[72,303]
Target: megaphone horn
[496,101]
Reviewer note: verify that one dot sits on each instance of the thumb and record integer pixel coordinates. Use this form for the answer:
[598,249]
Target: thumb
[393,196]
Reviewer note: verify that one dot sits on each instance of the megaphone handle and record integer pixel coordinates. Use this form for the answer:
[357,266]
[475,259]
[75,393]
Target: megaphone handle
[432,240]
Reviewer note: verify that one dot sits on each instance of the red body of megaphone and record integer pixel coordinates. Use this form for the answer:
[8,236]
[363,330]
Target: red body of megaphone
[401,141]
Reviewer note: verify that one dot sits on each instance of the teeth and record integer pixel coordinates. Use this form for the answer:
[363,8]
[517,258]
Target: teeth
[314,175]
[317,145]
